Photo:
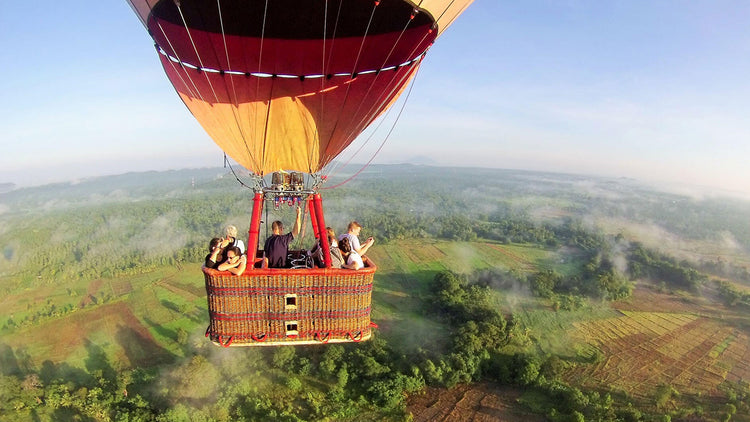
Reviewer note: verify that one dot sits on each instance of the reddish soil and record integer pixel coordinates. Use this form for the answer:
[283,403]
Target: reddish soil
[647,298]
[58,339]
[470,403]
[91,292]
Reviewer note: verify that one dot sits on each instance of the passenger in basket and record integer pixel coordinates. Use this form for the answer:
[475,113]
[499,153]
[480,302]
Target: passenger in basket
[215,254]
[352,234]
[336,259]
[230,239]
[276,249]
[351,257]
[235,262]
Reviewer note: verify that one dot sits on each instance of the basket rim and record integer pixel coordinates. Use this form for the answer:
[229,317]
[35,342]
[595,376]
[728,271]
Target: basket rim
[370,268]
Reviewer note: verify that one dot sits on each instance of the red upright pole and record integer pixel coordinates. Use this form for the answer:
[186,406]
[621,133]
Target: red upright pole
[323,235]
[254,232]
[313,216]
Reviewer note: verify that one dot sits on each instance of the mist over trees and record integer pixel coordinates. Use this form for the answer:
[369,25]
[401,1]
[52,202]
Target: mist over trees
[133,224]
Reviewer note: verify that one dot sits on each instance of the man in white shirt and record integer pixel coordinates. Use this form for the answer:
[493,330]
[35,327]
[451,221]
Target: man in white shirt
[352,232]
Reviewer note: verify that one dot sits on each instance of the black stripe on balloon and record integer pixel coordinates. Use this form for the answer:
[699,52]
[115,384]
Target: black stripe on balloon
[291,19]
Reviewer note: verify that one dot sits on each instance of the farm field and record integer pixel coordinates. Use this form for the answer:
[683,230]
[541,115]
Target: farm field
[470,403]
[131,320]
[657,340]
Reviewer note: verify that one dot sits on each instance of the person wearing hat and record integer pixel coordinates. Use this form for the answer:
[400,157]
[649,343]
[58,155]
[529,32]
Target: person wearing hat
[352,233]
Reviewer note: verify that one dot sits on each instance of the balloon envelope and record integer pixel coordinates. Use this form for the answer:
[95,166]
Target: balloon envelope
[289,84]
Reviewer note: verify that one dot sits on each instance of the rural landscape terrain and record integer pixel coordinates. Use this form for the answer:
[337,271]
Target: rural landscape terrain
[500,295]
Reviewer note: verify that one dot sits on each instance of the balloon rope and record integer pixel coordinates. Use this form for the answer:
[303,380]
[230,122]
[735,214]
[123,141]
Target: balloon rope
[226,161]
[408,93]
[257,93]
[195,48]
[311,150]
[455,15]
[179,60]
[235,102]
[324,71]
[197,93]
[353,129]
[383,96]
[354,70]
[386,95]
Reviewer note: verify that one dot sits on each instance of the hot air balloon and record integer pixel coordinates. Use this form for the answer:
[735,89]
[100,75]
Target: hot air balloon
[283,87]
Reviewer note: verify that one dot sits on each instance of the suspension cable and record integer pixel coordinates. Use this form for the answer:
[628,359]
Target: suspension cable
[257,88]
[354,69]
[408,93]
[385,97]
[233,98]
[195,48]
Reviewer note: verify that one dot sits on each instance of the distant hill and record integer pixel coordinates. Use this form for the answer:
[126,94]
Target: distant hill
[7,187]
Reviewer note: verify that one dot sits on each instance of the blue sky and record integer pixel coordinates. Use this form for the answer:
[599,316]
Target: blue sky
[656,91]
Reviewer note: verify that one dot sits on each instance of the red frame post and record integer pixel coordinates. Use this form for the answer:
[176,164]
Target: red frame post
[254,233]
[313,217]
[323,235]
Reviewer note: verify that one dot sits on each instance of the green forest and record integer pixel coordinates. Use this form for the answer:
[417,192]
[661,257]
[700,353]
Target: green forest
[491,269]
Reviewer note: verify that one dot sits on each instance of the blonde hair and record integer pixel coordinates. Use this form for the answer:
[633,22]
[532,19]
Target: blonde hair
[231,231]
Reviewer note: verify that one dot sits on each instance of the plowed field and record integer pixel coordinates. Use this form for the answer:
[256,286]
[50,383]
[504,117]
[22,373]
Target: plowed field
[688,347]
[469,403]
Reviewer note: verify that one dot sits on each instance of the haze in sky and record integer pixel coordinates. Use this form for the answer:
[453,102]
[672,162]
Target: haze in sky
[656,91]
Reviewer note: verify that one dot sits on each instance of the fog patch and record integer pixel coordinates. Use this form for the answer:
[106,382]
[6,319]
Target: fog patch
[728,241]
[64,233]
[54,204]
[208,370]
[464,256]
[515,292]
[162,237]
[697,192]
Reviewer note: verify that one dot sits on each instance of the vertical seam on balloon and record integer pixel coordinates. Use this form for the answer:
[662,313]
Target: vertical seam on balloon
[354,128]
[197,54]
[322,85]
[384,97]
[235,101]
[179,59]
[408,94]
[380,100]
[454,16]
[177,72]
[257,92]
[325,72]
[356,62]
[265,129]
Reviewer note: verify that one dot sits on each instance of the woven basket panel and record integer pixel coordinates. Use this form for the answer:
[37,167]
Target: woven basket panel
[251,309]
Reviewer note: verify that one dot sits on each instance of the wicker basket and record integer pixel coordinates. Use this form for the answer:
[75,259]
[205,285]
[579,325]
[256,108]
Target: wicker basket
[271,307]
